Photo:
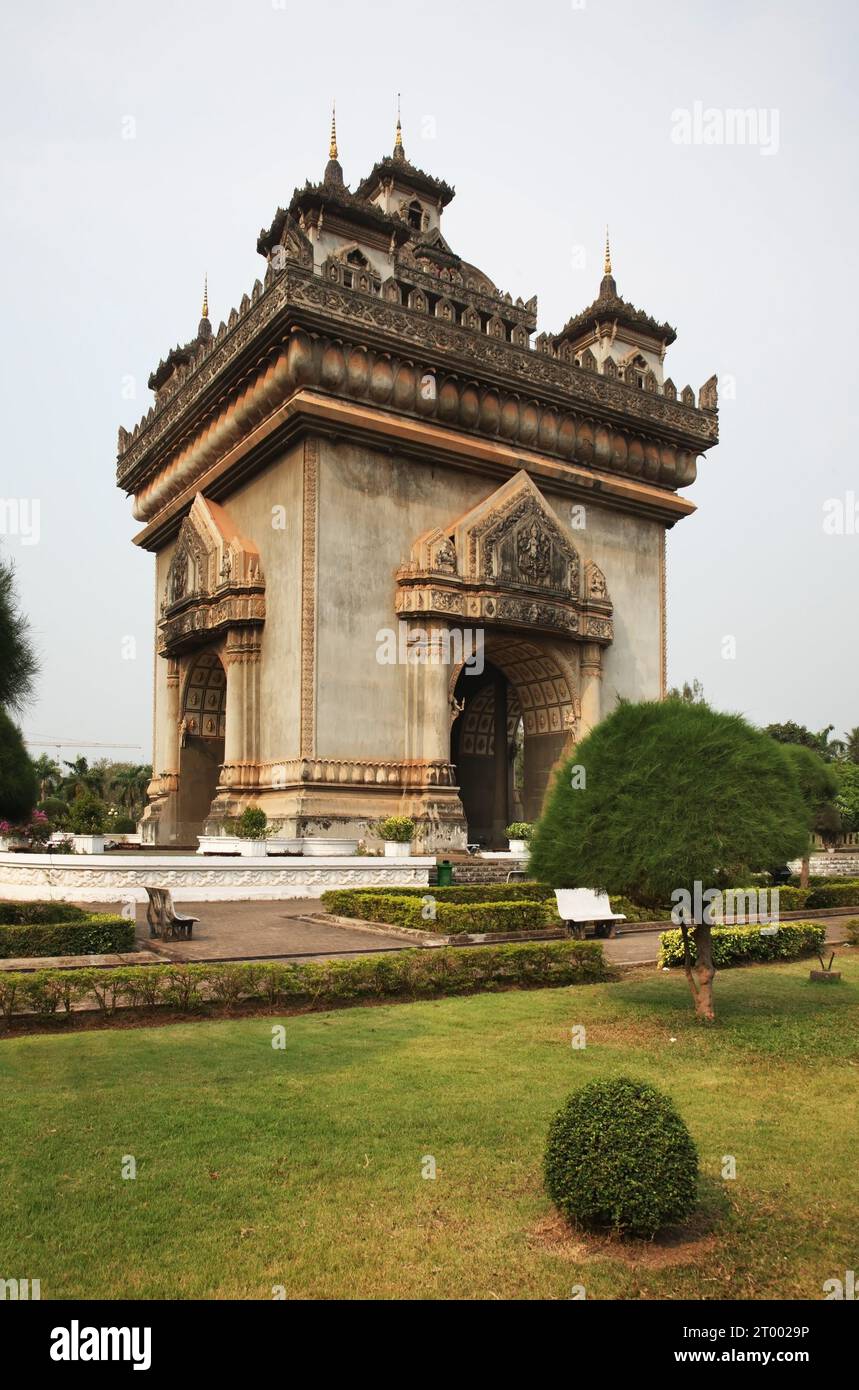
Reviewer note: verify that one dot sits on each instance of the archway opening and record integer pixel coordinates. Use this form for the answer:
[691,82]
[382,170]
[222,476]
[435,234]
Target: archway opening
[201,752]
[515,722]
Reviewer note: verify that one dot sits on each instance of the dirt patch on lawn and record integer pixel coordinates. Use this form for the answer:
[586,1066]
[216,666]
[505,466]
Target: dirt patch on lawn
[678,1245]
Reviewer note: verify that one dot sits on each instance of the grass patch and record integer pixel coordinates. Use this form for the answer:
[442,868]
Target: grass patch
[302,1167]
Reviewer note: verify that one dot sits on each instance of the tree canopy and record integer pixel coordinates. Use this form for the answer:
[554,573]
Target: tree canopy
[669,792]
[18,662]
[818,785]
[19,788]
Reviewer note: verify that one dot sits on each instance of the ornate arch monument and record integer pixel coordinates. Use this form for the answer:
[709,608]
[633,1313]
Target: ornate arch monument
[406,552]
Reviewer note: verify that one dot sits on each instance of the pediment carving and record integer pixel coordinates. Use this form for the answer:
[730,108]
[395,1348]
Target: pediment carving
[509,562]
[215,580]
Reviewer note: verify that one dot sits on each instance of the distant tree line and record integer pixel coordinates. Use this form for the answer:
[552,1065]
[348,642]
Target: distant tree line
[39,793]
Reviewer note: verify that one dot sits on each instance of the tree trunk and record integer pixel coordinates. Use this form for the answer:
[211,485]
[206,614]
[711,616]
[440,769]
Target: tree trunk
[701,973]
[803,873]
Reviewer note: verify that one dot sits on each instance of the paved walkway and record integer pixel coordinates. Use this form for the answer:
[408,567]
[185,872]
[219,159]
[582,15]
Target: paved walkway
[262,931]
[286,930]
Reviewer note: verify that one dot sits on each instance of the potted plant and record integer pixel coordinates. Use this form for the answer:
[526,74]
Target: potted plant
[398,833]
[518,836]
[10,836]
[87,821]
[252,829]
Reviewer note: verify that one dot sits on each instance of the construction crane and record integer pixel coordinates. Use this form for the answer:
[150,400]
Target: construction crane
[60,743]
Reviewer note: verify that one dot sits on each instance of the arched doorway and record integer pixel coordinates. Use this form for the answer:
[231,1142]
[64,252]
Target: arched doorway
[514,723]
[201,753]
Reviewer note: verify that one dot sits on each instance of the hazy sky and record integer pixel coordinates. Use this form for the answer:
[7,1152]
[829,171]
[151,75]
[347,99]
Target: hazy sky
[551,118]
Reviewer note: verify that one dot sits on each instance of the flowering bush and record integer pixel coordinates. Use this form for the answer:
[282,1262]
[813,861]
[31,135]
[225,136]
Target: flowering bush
[35,831]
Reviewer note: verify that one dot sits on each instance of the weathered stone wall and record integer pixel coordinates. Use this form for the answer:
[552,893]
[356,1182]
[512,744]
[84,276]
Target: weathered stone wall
[257,508]
[830,865]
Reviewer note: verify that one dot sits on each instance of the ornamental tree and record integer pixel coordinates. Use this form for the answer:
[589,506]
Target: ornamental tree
[818,785]
[19,789]
[665,795]
[18,661]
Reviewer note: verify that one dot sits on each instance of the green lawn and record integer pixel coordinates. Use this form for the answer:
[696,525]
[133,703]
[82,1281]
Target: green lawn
[302,1167]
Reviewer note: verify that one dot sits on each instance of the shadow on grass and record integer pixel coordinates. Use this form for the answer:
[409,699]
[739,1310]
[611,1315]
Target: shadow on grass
[683,1244]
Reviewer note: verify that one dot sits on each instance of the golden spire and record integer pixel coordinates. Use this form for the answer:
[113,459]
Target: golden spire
[607,266]
[332,149]
[398,142]
[206,295]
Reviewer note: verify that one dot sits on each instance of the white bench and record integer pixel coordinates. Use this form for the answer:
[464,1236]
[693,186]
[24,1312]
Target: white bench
[578,906]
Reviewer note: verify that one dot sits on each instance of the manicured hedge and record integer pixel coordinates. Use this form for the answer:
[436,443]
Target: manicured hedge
[457,893]
[838,894]
[448,918]
[26,914]
[410,974]
[789,899]
[99,933]
[342,901]
[739,945]
[834,893]
[822,880]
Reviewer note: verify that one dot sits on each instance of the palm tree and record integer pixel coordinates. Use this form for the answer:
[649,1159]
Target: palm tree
[130,781]
[82,777]
[851,745]
[48,773]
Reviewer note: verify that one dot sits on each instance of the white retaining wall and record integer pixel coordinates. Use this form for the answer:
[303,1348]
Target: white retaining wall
[111,878]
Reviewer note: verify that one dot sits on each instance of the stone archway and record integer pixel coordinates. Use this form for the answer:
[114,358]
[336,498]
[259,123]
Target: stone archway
[507,575]
[202,729]
[527,684]
[211,618]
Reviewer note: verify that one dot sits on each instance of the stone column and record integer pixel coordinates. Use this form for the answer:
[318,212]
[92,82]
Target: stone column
[241,737]
[591,681]
[427,700]
[171,720]
[434,804]
[160,815]
[500,817]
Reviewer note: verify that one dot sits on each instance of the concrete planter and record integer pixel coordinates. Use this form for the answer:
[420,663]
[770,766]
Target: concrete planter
[253,849]
[320,849]
[277,845]
[88,844]
[396,849]
[219,844]
[518,846]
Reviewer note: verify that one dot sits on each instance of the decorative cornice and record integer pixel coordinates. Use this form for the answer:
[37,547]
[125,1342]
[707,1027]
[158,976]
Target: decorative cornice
[355,772]
[400,170]
[206,617]
[297,295]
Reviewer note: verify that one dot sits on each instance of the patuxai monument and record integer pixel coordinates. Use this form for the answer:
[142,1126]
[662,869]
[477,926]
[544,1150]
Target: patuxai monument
[408,550]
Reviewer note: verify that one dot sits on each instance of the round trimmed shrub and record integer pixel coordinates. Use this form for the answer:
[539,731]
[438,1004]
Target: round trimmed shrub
[399,829]
[252,824]
[619,1156]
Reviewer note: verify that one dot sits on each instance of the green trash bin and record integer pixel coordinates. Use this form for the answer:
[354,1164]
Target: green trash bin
[445,873]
